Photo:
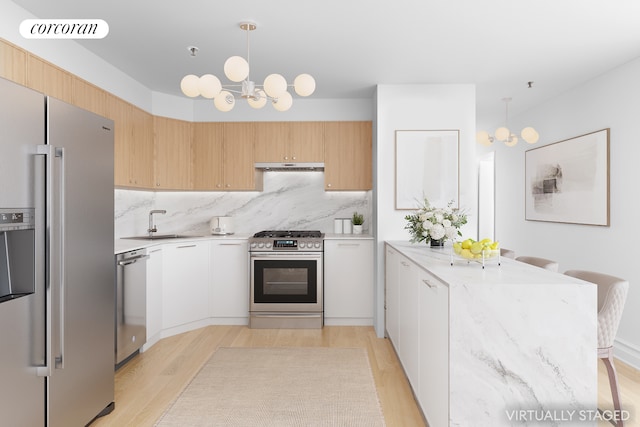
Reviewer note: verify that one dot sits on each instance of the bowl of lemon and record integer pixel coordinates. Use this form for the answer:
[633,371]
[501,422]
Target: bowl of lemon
[479,251]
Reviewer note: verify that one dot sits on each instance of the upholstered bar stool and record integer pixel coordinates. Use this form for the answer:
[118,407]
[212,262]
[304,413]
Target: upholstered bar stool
[539,262]
[612,294]
[507,253]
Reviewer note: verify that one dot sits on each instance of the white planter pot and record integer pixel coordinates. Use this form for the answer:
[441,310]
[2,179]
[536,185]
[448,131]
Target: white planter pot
[357,229]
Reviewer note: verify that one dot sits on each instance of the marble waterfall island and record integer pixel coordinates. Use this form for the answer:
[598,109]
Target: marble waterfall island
[520,340]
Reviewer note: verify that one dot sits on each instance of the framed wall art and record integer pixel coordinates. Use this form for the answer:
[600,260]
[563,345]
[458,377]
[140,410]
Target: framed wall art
[568,181]
[426,166]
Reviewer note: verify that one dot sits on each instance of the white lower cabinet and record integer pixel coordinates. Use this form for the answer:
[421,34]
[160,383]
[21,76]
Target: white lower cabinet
[185,293]
[154,295]
[391,277]
[417,323]
[348,281]
[229,260]
[408,347]
[433,392]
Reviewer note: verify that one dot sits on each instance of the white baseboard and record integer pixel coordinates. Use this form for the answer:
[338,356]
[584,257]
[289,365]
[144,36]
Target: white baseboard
[348,321]
[165,333]
[627,353]
[242,321]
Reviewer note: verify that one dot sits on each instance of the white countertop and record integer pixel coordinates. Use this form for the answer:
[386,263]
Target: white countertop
[438,262]
[338,236]
[126,245]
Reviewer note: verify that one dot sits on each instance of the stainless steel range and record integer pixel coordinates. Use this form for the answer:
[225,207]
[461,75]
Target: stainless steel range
[286,279]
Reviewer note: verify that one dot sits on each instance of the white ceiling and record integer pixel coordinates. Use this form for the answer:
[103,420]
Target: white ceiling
[349,46]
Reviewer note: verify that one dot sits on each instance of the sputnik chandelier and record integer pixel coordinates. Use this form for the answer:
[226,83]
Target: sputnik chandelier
[236,68]
[503,134]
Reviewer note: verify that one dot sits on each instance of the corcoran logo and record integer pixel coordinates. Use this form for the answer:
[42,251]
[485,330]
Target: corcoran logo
[64,29]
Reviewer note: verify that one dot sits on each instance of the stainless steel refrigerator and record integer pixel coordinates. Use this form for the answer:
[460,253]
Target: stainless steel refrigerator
[57,294]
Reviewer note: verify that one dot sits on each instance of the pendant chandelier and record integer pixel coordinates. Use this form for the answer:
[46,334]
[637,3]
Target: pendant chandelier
[236,68]
[503,134]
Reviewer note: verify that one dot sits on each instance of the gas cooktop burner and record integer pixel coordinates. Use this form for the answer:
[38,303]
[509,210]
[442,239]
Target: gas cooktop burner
[288,233]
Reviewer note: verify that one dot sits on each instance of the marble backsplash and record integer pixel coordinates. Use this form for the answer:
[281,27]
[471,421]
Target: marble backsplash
[289,200]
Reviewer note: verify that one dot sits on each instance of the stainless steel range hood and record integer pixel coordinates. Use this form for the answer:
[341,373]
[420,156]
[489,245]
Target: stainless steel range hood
[293,166]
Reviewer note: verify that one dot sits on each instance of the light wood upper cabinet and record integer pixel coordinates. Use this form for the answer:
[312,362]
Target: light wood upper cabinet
[172,153]
[141,174]
[272,142]
[13,63]
[347,156]
[207,156]
[289,142]
[239,170]
[89,97]
[307,141]
[118,111]
[48,79]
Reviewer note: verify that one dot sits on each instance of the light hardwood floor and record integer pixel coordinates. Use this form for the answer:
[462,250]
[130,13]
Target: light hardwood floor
[152,380]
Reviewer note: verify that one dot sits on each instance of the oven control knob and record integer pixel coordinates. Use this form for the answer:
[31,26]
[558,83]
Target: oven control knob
[261,245]
[254,244]
[302,245]
[267,245]
[316,244]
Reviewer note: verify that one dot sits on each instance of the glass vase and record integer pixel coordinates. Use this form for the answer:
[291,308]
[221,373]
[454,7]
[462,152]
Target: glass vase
[437,243]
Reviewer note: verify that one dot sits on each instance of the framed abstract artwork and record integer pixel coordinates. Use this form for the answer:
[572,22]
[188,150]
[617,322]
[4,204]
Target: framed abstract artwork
[568,181]
[426,166]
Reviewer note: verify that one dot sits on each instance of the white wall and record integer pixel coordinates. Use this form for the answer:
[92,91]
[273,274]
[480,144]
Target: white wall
[609,101]
[418,107]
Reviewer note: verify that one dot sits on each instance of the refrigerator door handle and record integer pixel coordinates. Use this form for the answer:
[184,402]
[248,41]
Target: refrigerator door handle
[59,152]
[54,259]
[41,251]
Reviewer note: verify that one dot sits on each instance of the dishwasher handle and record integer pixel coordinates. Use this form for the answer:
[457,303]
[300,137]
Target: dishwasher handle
[131,260]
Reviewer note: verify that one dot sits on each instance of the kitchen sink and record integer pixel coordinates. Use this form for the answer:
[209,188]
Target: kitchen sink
[160,237]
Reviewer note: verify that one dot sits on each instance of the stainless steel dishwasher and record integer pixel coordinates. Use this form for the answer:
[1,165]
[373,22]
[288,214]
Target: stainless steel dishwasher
[131,304]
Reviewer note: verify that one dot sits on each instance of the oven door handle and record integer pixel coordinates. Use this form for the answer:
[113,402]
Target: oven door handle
[287,315]
[281,255]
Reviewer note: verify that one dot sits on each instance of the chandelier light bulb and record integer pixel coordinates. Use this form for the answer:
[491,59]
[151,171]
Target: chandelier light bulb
[304,84]
[224,101]
[236,68]
[283,102]
[274,85]
[483,138]
[189,85]
[530,135]
[502,133]
[259,101]
[511,140]
[209,86]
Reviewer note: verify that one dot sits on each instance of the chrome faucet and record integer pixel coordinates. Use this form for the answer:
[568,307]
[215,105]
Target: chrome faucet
[152,228]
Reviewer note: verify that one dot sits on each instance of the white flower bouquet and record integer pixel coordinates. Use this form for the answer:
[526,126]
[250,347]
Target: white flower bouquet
[435,225]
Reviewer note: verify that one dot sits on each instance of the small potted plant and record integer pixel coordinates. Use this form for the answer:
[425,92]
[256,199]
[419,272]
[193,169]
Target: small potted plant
[357,221]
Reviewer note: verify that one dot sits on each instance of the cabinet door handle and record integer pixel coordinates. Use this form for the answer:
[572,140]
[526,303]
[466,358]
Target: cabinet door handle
[348,244]
[230,244]
[404,263]
[186,246]
[430,285]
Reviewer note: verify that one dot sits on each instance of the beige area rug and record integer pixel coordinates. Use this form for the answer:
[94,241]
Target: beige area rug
[280,386]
